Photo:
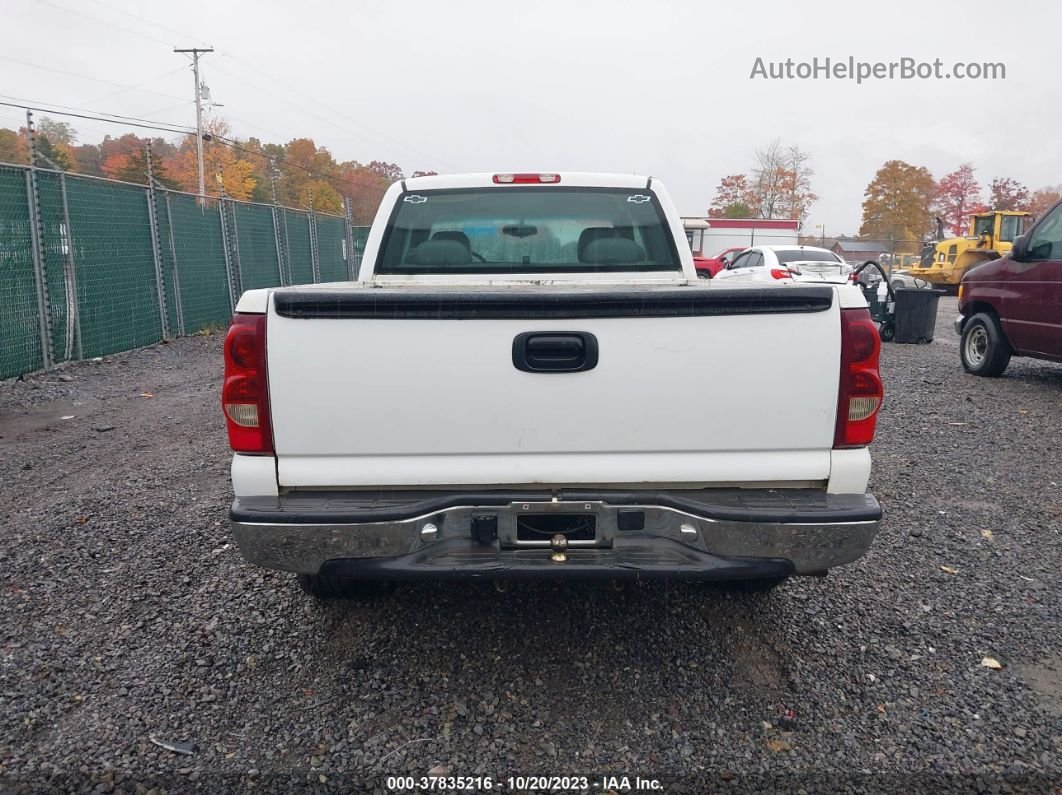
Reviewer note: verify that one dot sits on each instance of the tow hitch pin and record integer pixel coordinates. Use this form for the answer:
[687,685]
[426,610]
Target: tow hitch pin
[559,545]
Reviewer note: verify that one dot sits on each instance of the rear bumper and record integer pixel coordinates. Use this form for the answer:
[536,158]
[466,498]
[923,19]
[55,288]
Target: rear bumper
[716,534]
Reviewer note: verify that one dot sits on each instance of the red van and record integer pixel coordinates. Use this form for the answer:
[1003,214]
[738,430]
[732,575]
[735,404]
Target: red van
[1013,306]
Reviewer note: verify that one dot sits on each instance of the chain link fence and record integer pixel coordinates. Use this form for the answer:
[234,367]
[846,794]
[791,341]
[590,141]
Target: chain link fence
[91,266]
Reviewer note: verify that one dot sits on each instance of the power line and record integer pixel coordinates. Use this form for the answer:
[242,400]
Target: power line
[381,137]
[102,22]
[149,21]
[133,88]
[368,134]
[376,138]
[168,107]
[246,123]
[29,105]
[269,93]
[151,126]
[334,178]
[86,77]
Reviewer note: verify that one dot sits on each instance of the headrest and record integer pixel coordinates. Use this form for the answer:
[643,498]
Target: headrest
[612,251]
[456,235]
[589,235]
[438,253]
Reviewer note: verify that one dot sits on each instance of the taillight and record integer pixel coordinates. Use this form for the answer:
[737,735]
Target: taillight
[780,273]
[244,394]
[526,179]
[860,393]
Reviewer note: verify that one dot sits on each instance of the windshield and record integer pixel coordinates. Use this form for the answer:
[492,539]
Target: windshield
[786,256]
[527,230]
[1011,227]
[983,226]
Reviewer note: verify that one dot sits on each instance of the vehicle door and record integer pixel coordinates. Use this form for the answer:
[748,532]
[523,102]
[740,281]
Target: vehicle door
[732,268]
[747,265]
[1032,293]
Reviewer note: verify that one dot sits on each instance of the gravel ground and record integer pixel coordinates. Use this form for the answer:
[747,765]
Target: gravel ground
[128,616]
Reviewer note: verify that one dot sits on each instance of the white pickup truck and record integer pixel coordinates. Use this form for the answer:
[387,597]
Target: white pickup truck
[515,387]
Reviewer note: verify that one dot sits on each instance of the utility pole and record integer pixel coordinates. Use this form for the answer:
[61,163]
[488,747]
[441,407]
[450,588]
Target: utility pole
[273,178]
[195,51]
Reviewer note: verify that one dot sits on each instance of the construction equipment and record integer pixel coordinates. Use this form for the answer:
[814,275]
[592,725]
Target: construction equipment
[992,233]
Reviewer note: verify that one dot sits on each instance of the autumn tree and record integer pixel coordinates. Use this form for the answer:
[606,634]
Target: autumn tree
[57,154]
[13,147]
[388,171]
[132,167]
[225,171]
[897,202]
[58,132]
[768,179]
[129,143]
[88,159]
[781,182]
[55,140]
[779,186]
[733,198]
[1008,194]
[125,158]
[307,174]
[797,196]
[1043,199]
[958,196]
[365,187]
[263,158]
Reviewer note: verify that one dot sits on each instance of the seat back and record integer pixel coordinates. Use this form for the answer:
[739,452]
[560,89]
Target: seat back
[589,235]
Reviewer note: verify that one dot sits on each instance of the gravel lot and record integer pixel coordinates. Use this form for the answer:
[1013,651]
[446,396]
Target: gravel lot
[127,616]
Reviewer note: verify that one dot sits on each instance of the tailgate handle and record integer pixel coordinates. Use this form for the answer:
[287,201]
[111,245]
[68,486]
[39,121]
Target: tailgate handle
[555,351]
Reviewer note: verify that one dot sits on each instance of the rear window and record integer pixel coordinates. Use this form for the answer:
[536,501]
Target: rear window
[786,256]
[524,230]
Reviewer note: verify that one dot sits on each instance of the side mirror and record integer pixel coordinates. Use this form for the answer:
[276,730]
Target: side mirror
[1019,252]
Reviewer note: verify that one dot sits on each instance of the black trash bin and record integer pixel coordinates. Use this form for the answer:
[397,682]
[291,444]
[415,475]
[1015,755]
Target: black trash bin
[916,314]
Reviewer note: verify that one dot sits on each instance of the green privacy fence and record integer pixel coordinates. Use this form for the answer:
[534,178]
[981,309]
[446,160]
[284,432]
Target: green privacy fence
[91,266]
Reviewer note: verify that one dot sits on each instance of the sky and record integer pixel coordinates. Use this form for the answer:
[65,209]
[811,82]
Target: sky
[659,87]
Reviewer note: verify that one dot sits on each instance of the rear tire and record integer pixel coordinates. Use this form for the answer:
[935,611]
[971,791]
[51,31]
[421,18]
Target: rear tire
[984,350]
[324,587]
[887,331]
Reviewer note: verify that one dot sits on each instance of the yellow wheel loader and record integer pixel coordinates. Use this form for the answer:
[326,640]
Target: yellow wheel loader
[992,233]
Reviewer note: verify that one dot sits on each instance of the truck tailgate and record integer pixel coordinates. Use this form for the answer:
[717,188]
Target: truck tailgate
[375,387]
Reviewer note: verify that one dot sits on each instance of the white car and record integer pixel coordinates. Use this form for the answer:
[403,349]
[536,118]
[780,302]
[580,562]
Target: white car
[904,279]
[787,263]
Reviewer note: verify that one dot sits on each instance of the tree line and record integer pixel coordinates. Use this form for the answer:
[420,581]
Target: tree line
[901,203]
[300,173]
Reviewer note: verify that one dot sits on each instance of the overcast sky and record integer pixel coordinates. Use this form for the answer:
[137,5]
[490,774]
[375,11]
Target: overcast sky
[660,88]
